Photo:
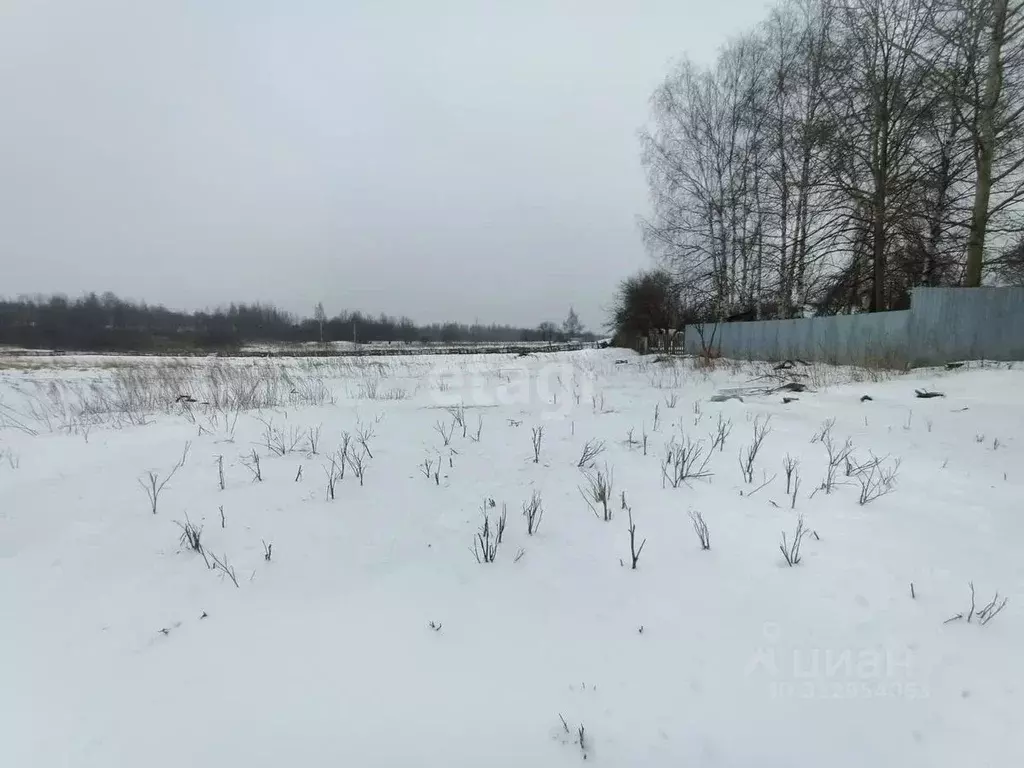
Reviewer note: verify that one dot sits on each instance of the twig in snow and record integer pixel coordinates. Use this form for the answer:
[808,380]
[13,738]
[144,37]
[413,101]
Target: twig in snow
[791,550]
[749,454]
[634,551]
[445,433]
[252,463]
[836,456]
[722,431]
[364,434]
[598,491]
[533,511]
[485,543]
[701,529]
[334,474]
[458,414]
[591,450]
[313,439]
[221,564]
[153,485]
[877,480]
[992,609]
[789,464]
[191,537]
[766,481]
[537,435]
[358,461]
[685,461]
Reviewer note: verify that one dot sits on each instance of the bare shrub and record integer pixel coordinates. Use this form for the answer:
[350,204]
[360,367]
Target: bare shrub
[479,428]
[722,431]
[991,609]
[309,391]
[598,490]
[748,455]
[445,432]
[789,465]
[221,564]
[11,419]
[268,550]
[533,511]
[358,461]
[191,537]
[500,527]
[342,453]
[791,549]
[364,434]
[278,441]
[825,431]
[485,543]
[369,387]
[334,474]
[153,485]
[876,479]
[672,400]
[536,437]
[837,456]
[634,551]
[458,414]
[701,529]
[313,439]
[591,450]
[220,471]
[252,463]
[224,422]
[685,461]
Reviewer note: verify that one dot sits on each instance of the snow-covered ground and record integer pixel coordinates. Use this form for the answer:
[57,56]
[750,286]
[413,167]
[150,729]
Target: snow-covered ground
[371,636]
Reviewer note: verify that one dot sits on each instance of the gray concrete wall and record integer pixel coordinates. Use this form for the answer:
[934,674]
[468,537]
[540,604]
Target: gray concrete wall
[942,325]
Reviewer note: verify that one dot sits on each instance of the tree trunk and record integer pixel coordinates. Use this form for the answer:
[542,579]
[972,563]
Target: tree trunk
[985,146]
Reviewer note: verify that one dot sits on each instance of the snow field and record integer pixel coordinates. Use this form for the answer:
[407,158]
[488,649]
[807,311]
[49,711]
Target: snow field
[123,648]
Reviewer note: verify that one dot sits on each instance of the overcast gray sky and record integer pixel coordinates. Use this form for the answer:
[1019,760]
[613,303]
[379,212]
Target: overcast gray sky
[457,159]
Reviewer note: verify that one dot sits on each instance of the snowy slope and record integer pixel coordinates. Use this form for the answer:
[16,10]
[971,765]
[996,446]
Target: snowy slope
[122,648]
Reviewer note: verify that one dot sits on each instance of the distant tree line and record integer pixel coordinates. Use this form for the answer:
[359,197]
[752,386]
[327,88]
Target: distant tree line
[841,153]
[108,323]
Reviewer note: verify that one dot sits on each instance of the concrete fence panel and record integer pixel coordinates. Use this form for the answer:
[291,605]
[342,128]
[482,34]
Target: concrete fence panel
[942,325]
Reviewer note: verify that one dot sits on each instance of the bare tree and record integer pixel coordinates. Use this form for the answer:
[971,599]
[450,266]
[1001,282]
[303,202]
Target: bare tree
[987,37]
[320,316]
